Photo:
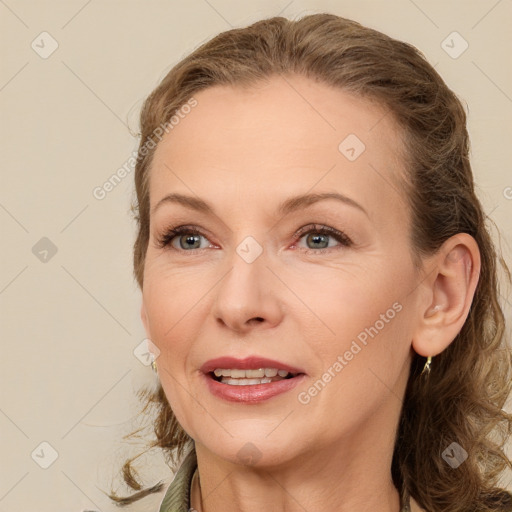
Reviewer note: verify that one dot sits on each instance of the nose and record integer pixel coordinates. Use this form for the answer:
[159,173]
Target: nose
[248,296]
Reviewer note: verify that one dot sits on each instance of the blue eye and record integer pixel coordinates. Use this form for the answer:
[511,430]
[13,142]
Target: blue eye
[319,237]
[189,238]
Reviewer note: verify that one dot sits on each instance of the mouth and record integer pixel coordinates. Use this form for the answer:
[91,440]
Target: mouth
[251,380]
[251,385]
[250,377]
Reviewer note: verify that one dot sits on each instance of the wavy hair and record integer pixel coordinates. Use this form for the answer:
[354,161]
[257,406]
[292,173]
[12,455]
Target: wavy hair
[462,400]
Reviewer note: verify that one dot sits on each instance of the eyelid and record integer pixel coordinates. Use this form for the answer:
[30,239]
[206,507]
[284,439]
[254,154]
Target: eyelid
[165,240]
[339,235]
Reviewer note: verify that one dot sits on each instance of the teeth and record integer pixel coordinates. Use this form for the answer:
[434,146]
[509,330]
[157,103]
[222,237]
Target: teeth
[249,374]
[246,382]
[253,373]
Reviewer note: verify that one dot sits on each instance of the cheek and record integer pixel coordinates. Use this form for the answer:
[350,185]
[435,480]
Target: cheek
[172,307]
[362,363]
[360,314]
[172,296]
[343,301]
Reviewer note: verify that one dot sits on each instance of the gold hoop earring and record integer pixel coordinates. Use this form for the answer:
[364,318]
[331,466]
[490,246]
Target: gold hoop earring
[153,365]
[426,368]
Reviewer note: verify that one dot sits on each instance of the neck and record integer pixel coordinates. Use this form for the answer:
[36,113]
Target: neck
[246,493]
[351,474]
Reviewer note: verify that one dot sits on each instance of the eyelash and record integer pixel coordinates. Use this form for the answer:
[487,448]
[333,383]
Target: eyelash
[166,239]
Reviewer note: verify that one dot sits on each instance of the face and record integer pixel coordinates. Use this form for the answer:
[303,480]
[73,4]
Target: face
[326,287]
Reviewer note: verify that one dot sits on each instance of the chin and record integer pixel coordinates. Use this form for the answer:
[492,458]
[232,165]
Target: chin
[255,451]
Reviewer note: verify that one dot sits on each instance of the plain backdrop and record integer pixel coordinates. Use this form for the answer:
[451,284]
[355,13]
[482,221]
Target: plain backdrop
[73,76]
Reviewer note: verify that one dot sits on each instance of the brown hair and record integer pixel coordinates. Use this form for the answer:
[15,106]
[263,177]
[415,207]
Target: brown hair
[470,381]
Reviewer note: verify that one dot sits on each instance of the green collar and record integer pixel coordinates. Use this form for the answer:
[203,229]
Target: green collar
[177,497]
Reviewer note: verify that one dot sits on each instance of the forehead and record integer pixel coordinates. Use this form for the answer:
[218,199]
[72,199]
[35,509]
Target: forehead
[287,132]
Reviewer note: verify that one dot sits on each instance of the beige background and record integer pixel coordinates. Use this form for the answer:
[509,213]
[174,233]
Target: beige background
[69,325]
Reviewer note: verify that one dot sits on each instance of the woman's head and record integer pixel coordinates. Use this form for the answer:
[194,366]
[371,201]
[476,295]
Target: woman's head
[247,123]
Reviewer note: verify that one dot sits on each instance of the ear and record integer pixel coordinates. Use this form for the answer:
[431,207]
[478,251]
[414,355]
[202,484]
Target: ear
[447,294]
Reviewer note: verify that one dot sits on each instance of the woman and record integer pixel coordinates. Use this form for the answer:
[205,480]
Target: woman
[318,282]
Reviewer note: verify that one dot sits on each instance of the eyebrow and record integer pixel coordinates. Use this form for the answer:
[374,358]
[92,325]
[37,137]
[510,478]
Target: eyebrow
[288,206]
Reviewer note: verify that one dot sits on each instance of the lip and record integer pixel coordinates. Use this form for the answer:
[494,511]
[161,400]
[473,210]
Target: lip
[253,393]
[252,362]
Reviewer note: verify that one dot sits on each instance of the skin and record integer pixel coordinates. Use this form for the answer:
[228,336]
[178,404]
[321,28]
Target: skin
[244,151]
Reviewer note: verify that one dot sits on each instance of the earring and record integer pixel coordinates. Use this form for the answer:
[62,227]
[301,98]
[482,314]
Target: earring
[426,368]
[153,365]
